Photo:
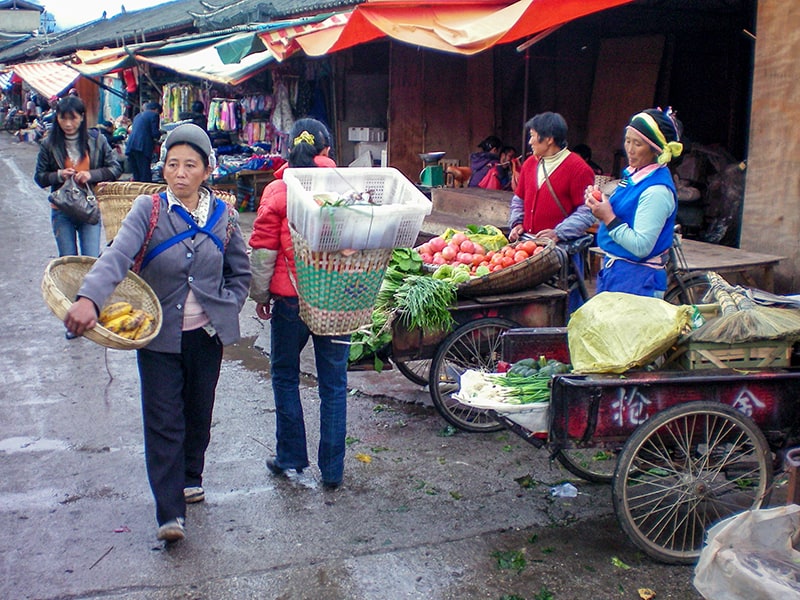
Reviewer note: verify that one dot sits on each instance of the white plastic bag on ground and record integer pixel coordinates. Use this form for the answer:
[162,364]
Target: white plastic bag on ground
[614,332]
[751,556]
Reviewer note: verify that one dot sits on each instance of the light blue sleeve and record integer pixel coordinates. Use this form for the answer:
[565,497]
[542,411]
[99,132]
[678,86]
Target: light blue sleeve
[575,225]
[655,206]
[516,213]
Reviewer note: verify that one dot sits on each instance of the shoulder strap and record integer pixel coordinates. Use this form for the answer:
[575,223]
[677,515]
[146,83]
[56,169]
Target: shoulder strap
[552,191]
[232,214]
[154,213]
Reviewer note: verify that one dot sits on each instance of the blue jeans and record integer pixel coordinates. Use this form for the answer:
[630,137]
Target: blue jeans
[67,233]
[289,336]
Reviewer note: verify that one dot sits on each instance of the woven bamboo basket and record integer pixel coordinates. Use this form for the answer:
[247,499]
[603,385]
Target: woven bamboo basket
[337,290]
[524,275]
[62,280]
[115,199]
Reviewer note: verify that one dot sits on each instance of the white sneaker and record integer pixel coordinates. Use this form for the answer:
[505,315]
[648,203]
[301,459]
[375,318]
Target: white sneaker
[172,531]
[194,494]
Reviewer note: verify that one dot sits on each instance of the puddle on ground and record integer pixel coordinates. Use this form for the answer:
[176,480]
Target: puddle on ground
[27,444]
[253,359]
[244,352]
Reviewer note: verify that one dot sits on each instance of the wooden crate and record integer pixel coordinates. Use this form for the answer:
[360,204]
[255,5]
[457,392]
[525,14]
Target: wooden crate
[706,355]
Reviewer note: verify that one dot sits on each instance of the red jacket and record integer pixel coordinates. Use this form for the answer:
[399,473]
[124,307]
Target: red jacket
[271,231]
[569,181]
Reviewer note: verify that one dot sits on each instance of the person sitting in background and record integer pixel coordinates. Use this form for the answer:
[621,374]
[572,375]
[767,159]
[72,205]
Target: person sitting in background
[585,152]
[501,175]
[638,219]
[481,162]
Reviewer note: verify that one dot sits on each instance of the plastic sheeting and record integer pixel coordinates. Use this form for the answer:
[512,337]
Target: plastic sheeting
[615,332]
[752,556]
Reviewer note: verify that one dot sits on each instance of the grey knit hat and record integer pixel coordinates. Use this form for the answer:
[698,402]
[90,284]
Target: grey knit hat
[191,134]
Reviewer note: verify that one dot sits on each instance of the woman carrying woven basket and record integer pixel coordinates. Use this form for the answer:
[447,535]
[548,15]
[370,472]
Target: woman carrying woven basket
[273,289]
[638,219]
[72,150]
[197,264]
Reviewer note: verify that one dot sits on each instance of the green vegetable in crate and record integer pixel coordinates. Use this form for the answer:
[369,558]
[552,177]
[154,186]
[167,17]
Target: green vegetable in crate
[526,366]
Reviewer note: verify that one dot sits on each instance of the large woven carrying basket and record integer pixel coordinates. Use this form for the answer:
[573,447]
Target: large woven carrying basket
[337,290]
[62,280]
[524,275]
[115,199]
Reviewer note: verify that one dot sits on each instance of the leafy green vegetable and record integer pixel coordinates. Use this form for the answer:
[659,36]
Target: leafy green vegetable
[423,303]
[370,342]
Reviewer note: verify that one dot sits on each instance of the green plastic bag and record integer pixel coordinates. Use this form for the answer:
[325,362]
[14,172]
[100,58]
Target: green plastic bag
[615,332]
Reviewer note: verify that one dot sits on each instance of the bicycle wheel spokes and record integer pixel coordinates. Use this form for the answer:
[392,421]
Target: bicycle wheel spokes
[693,465]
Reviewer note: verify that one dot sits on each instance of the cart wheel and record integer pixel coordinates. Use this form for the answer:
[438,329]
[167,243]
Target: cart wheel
[590,464]
[689,291]
[416,371]
[685,469]
[475,345]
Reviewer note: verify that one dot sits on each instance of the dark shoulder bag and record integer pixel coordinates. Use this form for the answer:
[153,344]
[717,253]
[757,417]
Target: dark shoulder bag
[77,202]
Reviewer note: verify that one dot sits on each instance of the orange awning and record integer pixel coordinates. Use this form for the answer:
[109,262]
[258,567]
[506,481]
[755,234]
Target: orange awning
[47,78]
[282,41]
[459,26]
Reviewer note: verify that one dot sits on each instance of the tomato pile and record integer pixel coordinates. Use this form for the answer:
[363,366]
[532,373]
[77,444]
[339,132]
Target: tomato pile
[461,250]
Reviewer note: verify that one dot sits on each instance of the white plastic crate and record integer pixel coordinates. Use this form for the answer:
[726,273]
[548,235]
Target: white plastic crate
[392,221]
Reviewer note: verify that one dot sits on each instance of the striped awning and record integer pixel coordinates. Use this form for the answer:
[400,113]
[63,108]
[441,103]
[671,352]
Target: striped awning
[5,80]
[205,63]
[47,78]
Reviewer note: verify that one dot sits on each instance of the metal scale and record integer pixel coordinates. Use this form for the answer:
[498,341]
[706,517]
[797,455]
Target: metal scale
[432,174]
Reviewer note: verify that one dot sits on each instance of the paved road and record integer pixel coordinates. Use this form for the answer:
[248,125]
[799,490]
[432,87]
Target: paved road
[422,514]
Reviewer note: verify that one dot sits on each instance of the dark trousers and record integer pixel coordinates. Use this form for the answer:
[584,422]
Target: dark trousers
[140,166]
[178,393]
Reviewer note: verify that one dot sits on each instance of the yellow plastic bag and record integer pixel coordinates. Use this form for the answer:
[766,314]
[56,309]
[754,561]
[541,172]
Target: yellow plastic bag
[614,332]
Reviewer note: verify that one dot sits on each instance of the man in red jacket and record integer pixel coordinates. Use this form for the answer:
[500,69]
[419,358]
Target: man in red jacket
[549,199]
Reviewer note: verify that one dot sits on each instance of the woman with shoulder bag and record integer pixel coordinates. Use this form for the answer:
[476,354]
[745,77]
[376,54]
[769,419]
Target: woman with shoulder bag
[196,262]
[72,151]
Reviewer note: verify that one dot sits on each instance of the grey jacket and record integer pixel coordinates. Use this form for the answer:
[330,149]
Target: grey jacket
[220,281]
[103,163]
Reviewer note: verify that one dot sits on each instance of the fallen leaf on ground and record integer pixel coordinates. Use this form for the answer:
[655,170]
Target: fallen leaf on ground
[646,593]
[365,458]
[618,563]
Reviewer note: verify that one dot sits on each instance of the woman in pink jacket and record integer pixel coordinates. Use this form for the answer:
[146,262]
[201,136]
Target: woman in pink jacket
[273,289]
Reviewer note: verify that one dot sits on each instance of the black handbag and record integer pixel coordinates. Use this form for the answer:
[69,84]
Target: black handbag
[76,202]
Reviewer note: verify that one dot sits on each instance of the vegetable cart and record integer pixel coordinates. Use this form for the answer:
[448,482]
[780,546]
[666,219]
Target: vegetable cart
[682,449]
[485,308]
[438,358]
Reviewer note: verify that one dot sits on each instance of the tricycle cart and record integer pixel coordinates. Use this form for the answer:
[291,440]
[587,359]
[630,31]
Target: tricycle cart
[437,359]
[688,448]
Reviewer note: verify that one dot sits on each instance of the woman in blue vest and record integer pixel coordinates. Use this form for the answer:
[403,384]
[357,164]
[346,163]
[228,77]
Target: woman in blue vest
[637,220]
